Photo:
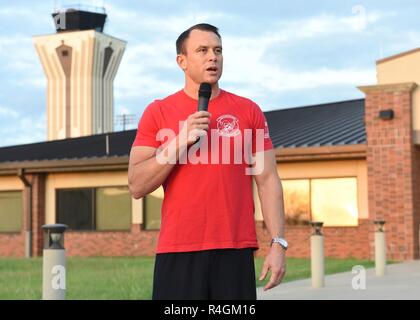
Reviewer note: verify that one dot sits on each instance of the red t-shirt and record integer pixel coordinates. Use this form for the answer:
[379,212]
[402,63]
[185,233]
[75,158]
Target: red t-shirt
[207,205]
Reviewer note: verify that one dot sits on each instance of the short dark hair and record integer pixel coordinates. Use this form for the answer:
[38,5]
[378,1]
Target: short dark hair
[180,48]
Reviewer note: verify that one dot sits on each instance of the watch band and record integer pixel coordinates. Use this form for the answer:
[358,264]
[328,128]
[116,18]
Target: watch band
[281,241]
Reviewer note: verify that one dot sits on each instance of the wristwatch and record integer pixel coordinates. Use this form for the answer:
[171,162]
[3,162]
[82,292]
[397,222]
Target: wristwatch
[282,242]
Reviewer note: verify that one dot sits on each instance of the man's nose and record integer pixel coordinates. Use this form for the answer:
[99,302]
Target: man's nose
[212,55]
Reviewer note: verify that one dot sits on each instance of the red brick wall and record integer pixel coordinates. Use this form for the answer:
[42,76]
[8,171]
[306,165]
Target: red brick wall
[339,242]
[38,212]
[416,205]
[12,244]
[393,168]
[136,242]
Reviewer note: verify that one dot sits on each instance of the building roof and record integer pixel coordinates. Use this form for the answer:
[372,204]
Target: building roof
[330,124]
[95,146]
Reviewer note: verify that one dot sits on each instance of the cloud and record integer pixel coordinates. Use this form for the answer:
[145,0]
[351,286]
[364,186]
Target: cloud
[24,17]
[17,11]
[23,129]
[142,71]
[274,79]
[7,112]
[122,110]
[148,68]
[248,68]
[322,25]
[401,42]
[259,65]
[160,24]
[22,63]
[144,66]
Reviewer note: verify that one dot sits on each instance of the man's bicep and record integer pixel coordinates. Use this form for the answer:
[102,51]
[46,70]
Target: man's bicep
[265,165]
[141,153]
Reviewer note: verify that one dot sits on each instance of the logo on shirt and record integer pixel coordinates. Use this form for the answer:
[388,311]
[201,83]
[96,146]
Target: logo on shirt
[228,125]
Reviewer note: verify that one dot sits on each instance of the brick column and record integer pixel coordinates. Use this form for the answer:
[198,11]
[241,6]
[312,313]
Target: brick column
[393,168]
[38,212]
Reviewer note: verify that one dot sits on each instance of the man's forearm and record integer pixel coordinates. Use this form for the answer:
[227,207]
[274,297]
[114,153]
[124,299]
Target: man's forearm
[272,205]
[148,175]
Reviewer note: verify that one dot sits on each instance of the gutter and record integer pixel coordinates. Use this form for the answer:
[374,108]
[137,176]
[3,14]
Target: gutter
[66,165]
[28,206]
[323,153]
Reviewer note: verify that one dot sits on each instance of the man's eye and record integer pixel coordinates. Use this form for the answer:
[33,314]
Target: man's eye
[202,50]
[218,51]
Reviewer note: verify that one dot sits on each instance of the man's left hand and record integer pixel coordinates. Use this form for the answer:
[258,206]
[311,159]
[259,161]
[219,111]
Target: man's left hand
[276,262]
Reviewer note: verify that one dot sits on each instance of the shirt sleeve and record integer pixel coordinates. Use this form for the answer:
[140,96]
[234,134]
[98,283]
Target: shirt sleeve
[261,140]
[148,128]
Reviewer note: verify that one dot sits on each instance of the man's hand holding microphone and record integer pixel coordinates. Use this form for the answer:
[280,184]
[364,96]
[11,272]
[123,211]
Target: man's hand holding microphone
[194,127]
[197,124]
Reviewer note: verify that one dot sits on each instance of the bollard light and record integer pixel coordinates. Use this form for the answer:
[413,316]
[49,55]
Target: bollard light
[379,225]
[316,227]
[317,255]
[54,262]
[380,248]
[54,236]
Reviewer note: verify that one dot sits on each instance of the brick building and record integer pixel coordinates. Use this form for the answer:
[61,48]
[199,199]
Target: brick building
[345,163]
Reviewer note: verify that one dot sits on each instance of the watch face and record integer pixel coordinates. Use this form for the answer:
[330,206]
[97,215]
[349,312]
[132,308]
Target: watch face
[281,242]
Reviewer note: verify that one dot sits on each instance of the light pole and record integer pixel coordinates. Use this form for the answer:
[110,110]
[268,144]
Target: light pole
[54,263]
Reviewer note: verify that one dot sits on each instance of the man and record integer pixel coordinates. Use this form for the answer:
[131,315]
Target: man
[207,236]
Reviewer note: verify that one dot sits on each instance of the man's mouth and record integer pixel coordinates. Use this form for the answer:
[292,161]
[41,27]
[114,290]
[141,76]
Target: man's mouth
[211,69]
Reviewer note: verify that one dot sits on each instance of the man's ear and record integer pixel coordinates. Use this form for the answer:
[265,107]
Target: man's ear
[182,61]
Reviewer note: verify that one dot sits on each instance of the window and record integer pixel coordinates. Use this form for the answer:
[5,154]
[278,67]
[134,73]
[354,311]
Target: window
[153,209]
[103,209]
[296,201]
[11,211]
[113,208]
[331,200]
[75,208]
[334,201]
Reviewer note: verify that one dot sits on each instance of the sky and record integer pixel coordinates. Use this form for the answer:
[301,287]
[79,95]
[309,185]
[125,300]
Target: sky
[281,54]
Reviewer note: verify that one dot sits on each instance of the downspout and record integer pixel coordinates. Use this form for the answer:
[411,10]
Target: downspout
[28,206]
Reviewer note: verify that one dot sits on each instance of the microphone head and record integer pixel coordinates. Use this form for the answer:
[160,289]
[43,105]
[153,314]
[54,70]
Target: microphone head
[204,90]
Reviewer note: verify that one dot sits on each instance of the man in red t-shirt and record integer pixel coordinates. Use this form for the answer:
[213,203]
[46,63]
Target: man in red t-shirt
[207,236]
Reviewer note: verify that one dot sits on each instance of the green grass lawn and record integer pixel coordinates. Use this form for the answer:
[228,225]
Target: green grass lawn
[122,278]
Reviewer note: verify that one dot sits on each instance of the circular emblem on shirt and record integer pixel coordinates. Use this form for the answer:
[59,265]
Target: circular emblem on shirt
[228,125]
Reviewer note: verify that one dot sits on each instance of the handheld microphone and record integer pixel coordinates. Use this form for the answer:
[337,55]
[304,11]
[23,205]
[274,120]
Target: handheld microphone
[204,93]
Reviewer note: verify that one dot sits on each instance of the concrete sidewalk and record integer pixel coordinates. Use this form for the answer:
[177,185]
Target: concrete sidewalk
[402,281]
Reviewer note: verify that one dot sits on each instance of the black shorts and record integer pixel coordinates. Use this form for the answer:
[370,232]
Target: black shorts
[210,274]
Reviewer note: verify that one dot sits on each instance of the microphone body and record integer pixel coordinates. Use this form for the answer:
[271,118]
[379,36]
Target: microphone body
[204,93]
[203,103]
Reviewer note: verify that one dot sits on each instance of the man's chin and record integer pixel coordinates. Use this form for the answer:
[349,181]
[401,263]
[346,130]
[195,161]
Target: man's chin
[211,80]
